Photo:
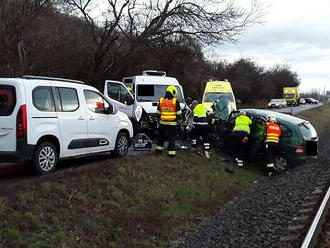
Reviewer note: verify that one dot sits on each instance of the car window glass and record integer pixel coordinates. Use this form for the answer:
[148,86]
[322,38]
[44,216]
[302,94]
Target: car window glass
[123,94]
[43,100]
[307,130]
[7,100]
[114,91]
[93,99]
[152,93]
[285,131]
[68,99]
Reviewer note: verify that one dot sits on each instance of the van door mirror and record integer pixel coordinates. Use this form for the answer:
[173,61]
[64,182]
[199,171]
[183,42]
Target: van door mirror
[129,100]
[109,110]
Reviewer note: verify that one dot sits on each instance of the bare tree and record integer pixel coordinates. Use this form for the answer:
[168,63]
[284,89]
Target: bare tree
[125,25]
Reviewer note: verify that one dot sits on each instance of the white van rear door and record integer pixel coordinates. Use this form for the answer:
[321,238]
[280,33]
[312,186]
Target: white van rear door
[8,112]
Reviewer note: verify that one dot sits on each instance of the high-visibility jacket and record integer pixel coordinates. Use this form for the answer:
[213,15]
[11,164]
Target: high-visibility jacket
[168,109]
[200,115]
[273,132]
[242,123]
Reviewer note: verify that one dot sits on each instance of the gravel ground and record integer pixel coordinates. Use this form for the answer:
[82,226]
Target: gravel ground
[260,216]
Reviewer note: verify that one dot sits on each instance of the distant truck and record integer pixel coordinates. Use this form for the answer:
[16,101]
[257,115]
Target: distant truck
[218,90]
[291,95]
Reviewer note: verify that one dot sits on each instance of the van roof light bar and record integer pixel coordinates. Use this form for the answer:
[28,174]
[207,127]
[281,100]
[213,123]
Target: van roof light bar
[154,73]
[53,79]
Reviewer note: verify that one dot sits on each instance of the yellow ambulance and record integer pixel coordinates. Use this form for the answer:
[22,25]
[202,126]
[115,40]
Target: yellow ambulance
[218,89]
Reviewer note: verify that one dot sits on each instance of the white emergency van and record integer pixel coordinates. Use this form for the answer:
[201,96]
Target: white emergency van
[138,96]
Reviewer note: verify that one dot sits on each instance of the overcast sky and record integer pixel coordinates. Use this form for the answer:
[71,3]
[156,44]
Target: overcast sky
[295,33]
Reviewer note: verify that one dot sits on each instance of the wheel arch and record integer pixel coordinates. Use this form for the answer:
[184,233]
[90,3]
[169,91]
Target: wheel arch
[124,130]
[51,138]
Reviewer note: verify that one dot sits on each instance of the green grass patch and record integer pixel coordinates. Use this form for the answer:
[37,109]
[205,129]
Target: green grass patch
[138,201]
[318,117]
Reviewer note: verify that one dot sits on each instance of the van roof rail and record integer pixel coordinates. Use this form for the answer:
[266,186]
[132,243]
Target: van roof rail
[154,73]
[53,79]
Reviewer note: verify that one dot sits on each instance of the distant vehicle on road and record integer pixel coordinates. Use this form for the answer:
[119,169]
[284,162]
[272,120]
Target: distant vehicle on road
[311,100]
[291,95]
[302,101]
[299,139]
[277,103]
[45,119]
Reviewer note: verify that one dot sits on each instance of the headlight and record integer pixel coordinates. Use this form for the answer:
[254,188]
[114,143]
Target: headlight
[269,104]
[138,113]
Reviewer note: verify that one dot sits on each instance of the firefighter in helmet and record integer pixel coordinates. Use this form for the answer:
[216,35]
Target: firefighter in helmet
[170,115]
[200,126]
[273,133]
[241,132]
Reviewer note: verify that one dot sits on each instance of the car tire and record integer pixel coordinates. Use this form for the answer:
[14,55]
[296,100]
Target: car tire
[281,163]
[122,145]
[45,158]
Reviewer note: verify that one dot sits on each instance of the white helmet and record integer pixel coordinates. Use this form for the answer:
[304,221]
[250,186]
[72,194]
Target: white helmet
[271,118]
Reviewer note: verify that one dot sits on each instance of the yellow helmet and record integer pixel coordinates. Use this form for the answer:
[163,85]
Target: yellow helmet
[130,89]
[172,90]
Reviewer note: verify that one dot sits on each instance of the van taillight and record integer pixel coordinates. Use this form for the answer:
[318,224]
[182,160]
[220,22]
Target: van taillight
[299,150]
[21,122]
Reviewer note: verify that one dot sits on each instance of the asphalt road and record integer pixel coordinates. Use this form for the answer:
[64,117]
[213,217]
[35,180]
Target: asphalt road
[298,109]
[10,171]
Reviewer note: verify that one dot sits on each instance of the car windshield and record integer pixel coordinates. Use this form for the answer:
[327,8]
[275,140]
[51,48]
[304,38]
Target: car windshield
[212,96]
[307,130]
[152,93]
[274,100]
[289,96]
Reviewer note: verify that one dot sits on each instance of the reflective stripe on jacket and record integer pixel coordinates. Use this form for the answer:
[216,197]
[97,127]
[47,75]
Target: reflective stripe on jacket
[273,131]
[167,111]
[242,123]
[200,115]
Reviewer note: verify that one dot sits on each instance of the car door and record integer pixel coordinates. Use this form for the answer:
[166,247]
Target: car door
[121,98]
[102,122]
[72,120]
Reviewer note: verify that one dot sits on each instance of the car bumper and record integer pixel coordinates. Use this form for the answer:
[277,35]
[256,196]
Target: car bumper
[23,153]
[296,160]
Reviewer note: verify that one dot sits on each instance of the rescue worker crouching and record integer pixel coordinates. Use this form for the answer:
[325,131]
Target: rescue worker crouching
[273,133]
[170,115]
[241,132]
[200,126]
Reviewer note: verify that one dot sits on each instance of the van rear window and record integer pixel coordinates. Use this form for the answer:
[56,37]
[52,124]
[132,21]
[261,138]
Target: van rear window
[7,100]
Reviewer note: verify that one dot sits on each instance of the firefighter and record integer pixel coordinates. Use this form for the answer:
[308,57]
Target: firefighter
[241,132]
[200,126]
[273,133]
[169,114]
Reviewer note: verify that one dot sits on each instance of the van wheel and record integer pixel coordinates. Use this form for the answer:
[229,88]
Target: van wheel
[45,158]
[281,163]
[122,145]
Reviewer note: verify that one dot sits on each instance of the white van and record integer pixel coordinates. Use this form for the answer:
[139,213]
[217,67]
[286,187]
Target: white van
[141,104]
[45,119]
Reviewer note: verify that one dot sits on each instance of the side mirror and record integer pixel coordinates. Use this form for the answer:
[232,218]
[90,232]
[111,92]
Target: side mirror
[129,100]
[110,110]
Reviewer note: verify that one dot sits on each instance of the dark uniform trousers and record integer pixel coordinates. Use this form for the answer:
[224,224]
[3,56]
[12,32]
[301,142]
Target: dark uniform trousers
[201,130]
[239,146]
[167,131]
[270,151]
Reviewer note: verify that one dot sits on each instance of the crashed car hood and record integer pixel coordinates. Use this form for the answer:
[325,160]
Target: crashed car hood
[223,108]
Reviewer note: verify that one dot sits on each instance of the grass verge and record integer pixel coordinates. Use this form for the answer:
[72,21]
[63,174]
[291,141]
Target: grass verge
[137,201]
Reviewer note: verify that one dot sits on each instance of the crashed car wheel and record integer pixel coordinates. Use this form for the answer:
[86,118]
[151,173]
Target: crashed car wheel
[281,163]
[122,145]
